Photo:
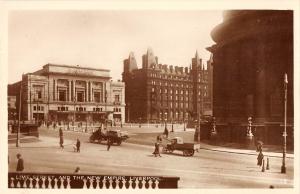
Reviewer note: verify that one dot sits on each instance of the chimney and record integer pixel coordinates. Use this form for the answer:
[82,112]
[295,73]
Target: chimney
[186,70]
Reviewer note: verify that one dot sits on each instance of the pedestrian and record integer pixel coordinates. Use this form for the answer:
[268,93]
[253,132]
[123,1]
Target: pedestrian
[259,145]
[166,132]
[260,158]
[108,143]
[156,149]
[78,145]
[77,170]
[20,164]
[61,138]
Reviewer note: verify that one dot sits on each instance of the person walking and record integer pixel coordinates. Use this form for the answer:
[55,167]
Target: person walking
[78,145]
[166,132]
[61,138]
[156,149]
[260,158]
[108,143]
[20,163]
[77,170]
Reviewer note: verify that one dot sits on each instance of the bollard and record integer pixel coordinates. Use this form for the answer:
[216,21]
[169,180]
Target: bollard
[268,166]
[263,166]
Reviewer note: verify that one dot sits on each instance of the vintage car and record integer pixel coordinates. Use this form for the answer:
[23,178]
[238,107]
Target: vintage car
[115,135]
[188,149]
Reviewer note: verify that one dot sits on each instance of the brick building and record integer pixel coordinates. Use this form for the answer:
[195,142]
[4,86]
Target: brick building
[158,93]
[69,93]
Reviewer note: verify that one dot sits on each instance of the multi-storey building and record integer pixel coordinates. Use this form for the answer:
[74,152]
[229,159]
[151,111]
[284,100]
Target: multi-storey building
[157,93]
[70,93]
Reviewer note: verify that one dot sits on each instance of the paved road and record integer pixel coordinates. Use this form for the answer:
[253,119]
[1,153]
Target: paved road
[206,169]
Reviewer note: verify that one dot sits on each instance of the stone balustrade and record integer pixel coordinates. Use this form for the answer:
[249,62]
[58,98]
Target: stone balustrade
[81,181]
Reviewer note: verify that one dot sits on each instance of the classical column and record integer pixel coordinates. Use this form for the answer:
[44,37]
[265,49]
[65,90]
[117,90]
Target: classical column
[70,90]
[86,91]
[74,95]
[260,85]
[91,92]
[54,89]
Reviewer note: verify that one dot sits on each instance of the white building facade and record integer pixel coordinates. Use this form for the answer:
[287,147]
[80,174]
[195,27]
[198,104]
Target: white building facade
[72,93]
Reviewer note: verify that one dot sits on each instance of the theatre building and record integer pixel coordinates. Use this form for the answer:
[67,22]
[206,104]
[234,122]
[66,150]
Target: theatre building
[70,93]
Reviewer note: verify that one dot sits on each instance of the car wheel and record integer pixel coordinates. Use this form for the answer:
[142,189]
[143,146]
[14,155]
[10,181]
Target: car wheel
[185,152]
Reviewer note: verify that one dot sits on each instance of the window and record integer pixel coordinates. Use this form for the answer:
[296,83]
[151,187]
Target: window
[97,96]
[117,98]
[79,96]
[34,107]
[62,95]
[39,94]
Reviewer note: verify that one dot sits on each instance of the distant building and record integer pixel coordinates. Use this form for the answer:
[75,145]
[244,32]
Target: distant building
[70,93]
[12,109]
[159,93]
[253,51]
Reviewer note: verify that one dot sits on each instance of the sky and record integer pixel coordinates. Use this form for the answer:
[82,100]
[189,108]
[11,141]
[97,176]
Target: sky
[103,39]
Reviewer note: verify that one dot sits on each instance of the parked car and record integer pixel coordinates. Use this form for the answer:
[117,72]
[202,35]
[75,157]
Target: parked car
[117,136]
[188,149]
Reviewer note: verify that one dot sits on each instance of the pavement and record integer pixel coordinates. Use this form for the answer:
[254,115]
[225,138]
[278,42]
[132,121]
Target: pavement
[147,135]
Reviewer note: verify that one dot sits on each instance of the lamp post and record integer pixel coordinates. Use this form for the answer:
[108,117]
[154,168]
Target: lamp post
[166,115]
[74,119]
[128,112]
[106,115]
[19,119]
[140,122]
[283,168]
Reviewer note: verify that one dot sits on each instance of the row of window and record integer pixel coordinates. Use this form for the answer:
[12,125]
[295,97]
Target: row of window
[41,108]
[166,91]
[172,77]
[117,109]
[83,109]
[153,82]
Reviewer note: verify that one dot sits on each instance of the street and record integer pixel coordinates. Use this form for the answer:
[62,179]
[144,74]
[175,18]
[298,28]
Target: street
[206,169]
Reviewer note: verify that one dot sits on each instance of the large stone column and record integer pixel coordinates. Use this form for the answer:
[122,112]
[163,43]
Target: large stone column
[260,83]
[86,91]
[70,90]
[74,95]
[54,89]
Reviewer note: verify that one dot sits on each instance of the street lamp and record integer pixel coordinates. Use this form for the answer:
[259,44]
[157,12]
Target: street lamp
[128,112]
[74,119]
[166,115]
[140,122]
[19,122]
[283,168]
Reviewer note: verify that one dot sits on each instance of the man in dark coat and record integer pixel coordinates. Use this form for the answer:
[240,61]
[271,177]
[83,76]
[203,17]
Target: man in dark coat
[156,150]
[108,143]
[20,164]
[78,145]
[166,132]
[260,158]
[61,138]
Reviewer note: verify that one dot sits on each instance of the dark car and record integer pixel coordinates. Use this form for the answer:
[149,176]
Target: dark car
[115,135]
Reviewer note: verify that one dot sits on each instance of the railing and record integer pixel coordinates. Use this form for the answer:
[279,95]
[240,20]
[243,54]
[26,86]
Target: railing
[81,181]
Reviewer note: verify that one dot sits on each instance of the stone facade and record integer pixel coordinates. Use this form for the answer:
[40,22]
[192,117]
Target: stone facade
[158,93]
[71,93]
[253,51]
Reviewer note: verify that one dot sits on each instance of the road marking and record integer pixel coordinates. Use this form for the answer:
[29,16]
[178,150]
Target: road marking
[254,178]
